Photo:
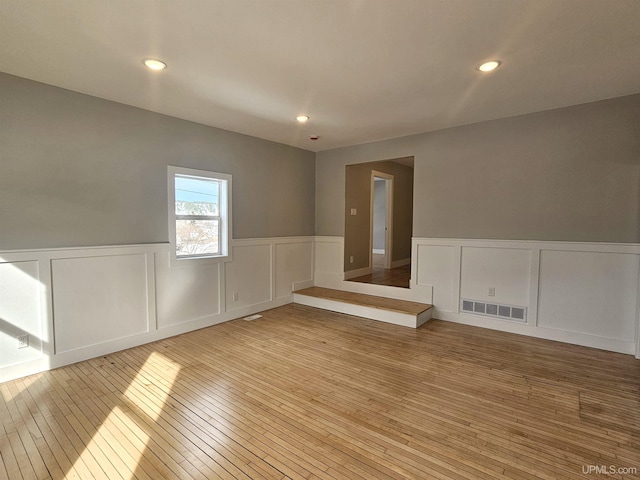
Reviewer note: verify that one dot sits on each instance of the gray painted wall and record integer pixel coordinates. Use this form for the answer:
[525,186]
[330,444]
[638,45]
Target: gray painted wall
[76,170]
[569,174]
[358,227]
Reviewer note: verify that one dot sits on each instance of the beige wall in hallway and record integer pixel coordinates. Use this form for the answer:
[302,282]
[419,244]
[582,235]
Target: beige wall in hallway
[358,227]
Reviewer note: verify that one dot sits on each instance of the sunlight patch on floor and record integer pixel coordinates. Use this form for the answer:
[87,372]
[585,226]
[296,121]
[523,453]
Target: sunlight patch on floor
[119,438]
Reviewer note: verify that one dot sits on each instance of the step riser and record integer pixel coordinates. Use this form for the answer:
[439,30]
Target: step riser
[423,318]
[396,318]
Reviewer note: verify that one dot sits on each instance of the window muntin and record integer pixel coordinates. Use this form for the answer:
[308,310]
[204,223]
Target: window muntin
[199,207]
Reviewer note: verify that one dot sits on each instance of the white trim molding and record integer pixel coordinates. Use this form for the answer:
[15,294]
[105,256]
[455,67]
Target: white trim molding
[349,274]
[400,263]
[224,216]
[389,180]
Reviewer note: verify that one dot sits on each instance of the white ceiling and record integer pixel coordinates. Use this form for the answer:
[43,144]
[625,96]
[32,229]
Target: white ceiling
[364,70]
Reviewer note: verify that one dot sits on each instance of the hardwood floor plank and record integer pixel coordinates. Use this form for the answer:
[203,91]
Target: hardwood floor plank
[9,461]
[196,451]
[4,475]
[25,469]
[308,394]
[205,412]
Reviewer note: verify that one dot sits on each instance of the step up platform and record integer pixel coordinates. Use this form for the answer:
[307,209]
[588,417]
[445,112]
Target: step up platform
[390,310]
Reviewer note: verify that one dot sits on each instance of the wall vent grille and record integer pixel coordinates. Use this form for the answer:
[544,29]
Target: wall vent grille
[509,312]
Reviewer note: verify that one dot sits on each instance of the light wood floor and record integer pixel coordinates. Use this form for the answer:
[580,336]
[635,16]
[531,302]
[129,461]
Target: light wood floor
[304,393]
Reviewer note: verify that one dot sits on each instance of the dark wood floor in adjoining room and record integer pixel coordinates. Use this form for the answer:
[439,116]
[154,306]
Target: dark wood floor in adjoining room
[392,277]
[304,393]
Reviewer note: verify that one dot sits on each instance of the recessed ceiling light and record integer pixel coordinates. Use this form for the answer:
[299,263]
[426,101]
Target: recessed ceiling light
[302,118]
[153,64]
[489,66]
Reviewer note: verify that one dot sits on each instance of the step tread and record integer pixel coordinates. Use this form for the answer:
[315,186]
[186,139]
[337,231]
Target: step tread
[373,301]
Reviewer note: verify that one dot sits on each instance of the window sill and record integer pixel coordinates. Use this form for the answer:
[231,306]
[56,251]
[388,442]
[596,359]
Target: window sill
[198,260]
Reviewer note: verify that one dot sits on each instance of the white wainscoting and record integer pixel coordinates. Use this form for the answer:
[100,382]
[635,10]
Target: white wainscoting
[104,299]
[508,270]
[249,276]
[435,266]
[21,311]
[99,300]
[74,303]
[329,261]
[604,294]
[294,265]
[187,292]
[79,303]
[580,293]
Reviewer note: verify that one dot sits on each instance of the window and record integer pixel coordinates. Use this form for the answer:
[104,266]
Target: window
[199,213]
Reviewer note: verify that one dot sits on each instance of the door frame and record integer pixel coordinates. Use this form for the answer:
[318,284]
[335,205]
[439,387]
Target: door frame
[388,242]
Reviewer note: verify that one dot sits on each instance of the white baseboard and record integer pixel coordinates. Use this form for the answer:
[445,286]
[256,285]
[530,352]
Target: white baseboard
[357,273]
[575,338]
[327,279]
[302,285]
[401,263]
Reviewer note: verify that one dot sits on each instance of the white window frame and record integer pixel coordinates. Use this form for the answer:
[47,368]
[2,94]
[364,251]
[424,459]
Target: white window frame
[225,223]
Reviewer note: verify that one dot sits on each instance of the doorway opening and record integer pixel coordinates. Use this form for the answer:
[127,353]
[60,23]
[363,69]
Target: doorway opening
[379,222]
[381,219]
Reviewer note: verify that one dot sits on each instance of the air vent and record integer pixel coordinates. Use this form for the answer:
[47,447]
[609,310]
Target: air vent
[509,312]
